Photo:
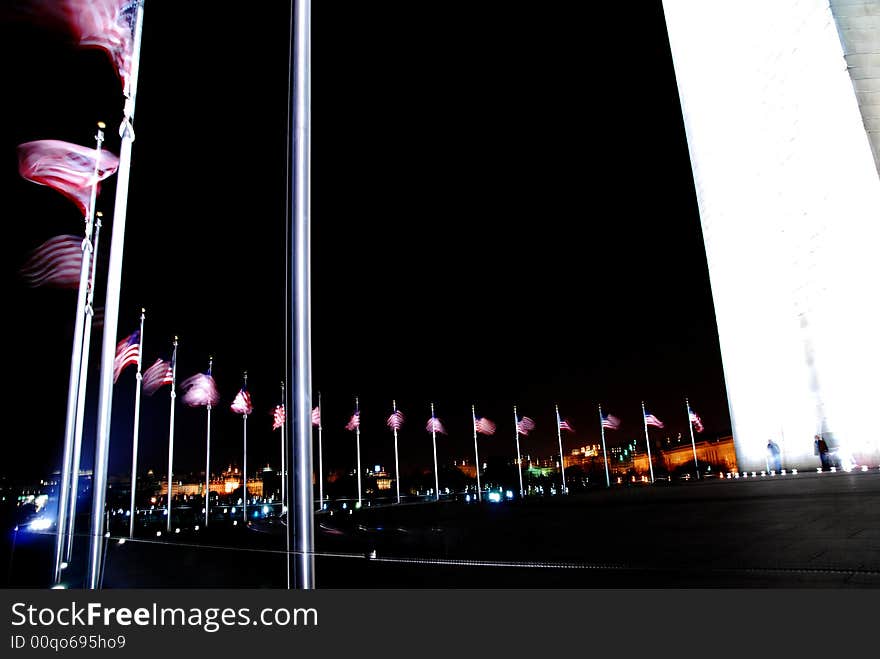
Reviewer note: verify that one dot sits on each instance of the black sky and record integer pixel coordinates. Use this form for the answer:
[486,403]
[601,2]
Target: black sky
[503,212]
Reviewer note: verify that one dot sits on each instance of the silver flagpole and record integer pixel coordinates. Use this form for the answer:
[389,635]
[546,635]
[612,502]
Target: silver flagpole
[604,452]
[476,452]
[648,442]
[320,460]
[171,437]
[396,462]
[518,458]
[693,443]
[434,442]
[208,451]
[81,393]
[244,461]
[561,456]
[137,415]
[357,434]
[111,313]
[74,383]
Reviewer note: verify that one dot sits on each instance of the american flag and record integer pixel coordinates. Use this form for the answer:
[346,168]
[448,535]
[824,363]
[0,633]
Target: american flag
[242,404]
[434,425]
[395,420]
[127,353]
[55,263]
[278,417]
[484,426]
[108,25]
[316,416]
[695,419]
[65,167]
[611,422]
[652,420]
[354,422]
[200,390]
[564,424]
[525,425]
[158,375]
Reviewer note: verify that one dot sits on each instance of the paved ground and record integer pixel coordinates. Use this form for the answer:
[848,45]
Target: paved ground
[806,531]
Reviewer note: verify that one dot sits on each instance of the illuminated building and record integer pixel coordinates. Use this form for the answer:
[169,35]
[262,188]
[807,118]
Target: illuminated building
[783,130]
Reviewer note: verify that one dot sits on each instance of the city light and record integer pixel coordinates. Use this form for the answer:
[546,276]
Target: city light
[40,524]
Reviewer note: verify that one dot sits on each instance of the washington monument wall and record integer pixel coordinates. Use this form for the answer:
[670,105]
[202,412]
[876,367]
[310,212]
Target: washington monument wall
[780,105]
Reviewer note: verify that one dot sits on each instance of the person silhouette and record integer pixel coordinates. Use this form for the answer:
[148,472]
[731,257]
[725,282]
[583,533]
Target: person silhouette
[820,448]
[775,461]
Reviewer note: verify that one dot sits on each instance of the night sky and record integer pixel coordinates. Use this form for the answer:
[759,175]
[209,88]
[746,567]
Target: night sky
[503,212]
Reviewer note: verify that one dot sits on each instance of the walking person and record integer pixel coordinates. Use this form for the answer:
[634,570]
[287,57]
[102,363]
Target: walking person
[775,456]
[820,448]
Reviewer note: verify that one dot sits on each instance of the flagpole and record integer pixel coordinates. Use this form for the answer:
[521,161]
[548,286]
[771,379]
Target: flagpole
[396,461]
[561,456]
[604,452]
[357,434]
[518,458]
[648,442]
[693,443]
[476,452]
[74,383]
[82,390]
[137,415]
[320,460]
[434,442]
[283,454]
[171,436]
[244,461]
[111,313]
[208,451]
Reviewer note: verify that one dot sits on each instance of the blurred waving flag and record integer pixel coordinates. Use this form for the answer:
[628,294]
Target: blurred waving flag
[127,352]
[56,263]
[316,416]
[200,390]
[278,417]
[564,424]
[484,426]
[242,404]
[695,419]
[105,24]
[435,425]
[65,167]
[395,420]
[652,420]
[525,425]
[354,421]
[611,422]
[158,375]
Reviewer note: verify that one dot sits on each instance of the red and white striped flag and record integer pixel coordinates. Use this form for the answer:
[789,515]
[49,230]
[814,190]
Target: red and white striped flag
[564,424]
[484,426]
[354,421]
[242,404]
[278,417]
[525,425]
[127,353]
[395,420]
[56,263]
[158,375]
[435,425]
[611,422]
[200,390]
[652,420]
[316,416]
[695,419]
[65,167]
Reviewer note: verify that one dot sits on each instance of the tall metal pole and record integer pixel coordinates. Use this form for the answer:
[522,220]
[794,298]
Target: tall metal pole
[396,461]
[137,415]
[74,384]
[357,435]
[604,452]
[82,390]
[283,455]
[648,442]
[518,458]
[111,313]
[434,442]
[320,460]
[244,461]
[561,456]
[171,437]
[476,452]
[693,443]
[208,453]
[302,531]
